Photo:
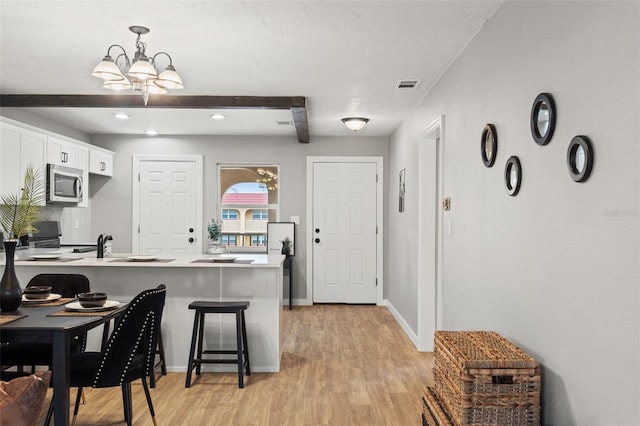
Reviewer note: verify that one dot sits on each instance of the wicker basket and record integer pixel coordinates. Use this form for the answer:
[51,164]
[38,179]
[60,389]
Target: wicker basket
[432,412]
[483,379]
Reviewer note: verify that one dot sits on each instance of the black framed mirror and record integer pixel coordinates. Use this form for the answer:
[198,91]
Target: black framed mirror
[489,145]
[543,118]
[580,158]
[513,175]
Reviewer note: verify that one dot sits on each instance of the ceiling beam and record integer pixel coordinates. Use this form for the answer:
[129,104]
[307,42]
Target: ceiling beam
[297,104]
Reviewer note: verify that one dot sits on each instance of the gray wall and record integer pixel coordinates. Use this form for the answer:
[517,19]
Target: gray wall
[111,198]
[555,269]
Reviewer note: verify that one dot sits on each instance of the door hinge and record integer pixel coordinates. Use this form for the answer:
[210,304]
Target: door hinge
[138,228]
[376,282]
[376,229]
[376,177]
[138,177]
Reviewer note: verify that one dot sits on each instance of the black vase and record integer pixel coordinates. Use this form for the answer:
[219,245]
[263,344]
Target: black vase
[10,290]
[285,250]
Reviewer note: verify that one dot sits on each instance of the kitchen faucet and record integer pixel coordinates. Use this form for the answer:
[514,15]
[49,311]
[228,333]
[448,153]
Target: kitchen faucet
[102,243]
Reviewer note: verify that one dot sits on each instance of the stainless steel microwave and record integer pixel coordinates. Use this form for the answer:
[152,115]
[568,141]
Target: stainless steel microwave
[64,184]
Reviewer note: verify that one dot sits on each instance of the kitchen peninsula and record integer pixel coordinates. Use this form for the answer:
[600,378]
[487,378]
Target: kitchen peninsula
[253,277]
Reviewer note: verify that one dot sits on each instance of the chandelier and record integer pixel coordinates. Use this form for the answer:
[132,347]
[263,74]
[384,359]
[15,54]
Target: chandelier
[142,74]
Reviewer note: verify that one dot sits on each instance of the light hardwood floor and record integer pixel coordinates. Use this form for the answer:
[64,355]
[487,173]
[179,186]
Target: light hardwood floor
[341,365]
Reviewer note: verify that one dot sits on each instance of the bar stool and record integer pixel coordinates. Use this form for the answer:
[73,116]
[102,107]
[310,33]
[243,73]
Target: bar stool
[242,348]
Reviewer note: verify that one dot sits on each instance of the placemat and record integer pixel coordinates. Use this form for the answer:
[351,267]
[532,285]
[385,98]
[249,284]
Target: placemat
[60,259]
[7,318]
[124,259]
[65,313]
[57,302]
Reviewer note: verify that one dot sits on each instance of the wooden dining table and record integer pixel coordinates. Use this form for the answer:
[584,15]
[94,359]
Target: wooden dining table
[55,325]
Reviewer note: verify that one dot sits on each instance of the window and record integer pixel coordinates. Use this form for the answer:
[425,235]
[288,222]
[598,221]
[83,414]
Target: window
[229,214]
[229,240]
[248,200]
[260,215]
[259,240]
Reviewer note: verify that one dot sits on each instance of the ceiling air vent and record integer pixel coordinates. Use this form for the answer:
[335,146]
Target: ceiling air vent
[406,85]
[284,123]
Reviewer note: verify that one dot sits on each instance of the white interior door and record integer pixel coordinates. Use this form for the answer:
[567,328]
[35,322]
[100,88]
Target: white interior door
[344,232]
[168,207]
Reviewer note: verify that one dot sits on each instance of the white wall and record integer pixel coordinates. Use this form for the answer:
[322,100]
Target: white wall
[555,269]
[111,198]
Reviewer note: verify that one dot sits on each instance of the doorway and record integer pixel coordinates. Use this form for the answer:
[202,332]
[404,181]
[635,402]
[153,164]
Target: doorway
[344,239]
[430,241]
[167,204]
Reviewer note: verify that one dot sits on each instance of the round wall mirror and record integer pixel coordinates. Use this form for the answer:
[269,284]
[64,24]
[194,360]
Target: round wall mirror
[513,175]
[543,118]
[580,158]
[489,145]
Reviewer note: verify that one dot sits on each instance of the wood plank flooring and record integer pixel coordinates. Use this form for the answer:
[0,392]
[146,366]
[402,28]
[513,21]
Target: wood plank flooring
[341,365]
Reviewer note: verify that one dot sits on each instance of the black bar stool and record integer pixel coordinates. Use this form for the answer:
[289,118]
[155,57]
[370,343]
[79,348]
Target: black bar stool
[242,348]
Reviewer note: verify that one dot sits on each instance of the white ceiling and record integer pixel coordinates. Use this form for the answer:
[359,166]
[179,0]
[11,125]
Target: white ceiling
[345,57]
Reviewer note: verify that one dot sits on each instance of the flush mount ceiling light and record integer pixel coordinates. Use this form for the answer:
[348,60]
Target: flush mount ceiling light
[355,123]
[141,71]
[121,115]
[218,116]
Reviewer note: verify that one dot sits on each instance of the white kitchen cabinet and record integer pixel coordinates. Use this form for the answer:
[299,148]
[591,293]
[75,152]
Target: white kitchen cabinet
[101,162]
[20,148]
[62,152]
[83,164]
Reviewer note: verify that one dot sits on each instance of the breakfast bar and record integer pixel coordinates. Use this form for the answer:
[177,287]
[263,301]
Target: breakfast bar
[256,278]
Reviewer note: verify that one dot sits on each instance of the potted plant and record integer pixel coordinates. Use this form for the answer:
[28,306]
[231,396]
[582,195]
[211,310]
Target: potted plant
[286,246]
[214,228]
[18,215]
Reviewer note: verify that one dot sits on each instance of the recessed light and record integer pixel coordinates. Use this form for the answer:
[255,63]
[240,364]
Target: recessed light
[218,116]
[151,132]
[121,115]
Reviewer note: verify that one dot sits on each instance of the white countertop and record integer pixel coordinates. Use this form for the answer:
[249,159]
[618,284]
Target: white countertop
[67,258]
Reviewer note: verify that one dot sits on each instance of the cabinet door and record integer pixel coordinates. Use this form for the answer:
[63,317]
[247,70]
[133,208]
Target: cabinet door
[33,148]
[11,176]
[62,152]
[20,148]
[100,162]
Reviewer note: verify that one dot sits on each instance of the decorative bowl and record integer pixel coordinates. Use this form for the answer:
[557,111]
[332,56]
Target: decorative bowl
[38,292]
[92,300]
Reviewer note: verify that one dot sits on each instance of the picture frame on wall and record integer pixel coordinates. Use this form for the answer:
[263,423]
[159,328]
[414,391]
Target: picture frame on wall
[277,232]
[401,191]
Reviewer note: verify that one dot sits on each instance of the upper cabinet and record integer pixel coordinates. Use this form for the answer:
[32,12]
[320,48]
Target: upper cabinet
[100,162]
[62,152]
[19,148]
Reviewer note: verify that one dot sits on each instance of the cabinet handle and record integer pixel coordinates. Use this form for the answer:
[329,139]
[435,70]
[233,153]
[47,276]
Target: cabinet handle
[103,166]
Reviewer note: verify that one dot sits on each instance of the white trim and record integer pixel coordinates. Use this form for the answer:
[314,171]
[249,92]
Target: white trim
[135,194]
[379,216]
[430,292]
[405,326]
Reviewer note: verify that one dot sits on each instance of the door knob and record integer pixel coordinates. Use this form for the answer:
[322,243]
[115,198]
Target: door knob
[191,239]
[317,240]
[317,230]
[190,229]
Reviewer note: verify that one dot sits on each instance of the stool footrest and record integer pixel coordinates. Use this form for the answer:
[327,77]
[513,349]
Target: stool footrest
[220,352]
[217,361]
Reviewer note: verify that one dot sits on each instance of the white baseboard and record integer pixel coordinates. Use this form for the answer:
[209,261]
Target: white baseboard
[405,327]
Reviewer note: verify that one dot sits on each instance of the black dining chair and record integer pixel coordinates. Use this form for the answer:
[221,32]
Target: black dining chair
[32,354]
[128,355]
